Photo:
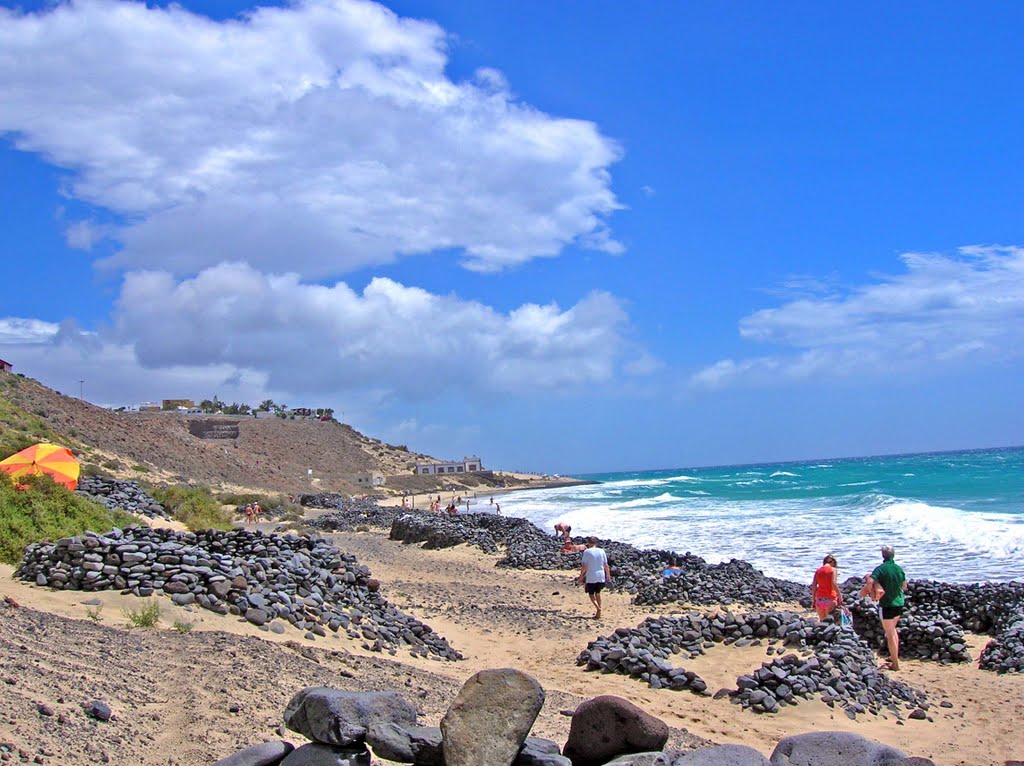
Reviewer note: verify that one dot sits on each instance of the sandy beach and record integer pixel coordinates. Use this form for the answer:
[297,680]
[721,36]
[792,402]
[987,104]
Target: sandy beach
[537,622]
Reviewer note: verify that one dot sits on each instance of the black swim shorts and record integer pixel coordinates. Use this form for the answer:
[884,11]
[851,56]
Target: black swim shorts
[594,587]
[891,612]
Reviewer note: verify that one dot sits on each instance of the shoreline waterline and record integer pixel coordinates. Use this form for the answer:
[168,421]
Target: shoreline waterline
[954,517]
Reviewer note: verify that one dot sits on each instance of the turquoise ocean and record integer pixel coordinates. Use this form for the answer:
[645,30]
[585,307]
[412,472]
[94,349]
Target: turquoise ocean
[952,516]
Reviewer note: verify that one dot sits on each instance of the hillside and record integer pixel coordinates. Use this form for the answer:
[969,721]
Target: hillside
[270,454]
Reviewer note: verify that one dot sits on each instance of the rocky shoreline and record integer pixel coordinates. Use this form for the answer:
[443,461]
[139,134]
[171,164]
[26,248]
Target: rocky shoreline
[931,629]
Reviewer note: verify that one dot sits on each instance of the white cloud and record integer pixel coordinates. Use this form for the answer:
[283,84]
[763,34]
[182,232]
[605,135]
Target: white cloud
[943,310]
[309,338]
[315,138]
[233,328]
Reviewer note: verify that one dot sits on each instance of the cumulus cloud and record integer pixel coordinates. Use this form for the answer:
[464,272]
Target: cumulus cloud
[61,355]
[310,338]
[317,138]
[942,310]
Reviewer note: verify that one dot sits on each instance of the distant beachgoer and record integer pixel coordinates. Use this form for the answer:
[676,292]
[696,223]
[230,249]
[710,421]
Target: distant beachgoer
[497,508]
[825,593]
[672,569]
[893,580]
[594,574]
[248,514]
[563,529]
[492,501]
[571,547]
[452,509]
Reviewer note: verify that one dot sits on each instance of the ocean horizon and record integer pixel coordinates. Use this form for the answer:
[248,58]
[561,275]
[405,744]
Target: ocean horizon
[956,516]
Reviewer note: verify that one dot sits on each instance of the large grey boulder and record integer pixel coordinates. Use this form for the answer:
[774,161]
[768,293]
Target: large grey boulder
[607,726]
[721,755]
[328,755]
[406,744]
[335,717]
[265,754]
[642,759]
[826,748]
[490,718]
[540,752]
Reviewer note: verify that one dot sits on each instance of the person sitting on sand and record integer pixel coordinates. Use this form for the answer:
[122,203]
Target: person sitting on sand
[825,593]
[672,569]
[571,547]
[893,581]
[594,573]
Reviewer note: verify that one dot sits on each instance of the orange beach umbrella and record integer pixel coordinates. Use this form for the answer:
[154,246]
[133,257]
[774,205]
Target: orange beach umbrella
[56,462]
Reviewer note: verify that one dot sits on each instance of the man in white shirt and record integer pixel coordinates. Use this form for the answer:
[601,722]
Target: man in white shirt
[595,573]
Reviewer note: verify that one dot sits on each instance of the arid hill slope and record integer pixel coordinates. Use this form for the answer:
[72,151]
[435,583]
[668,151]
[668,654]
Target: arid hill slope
[271,453]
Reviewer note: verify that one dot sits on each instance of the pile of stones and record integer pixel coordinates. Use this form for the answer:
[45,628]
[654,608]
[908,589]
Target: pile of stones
[837,664]
[634,570]
[348,520]
[1005,653]
[489,722]
[125,496]
[937,613]
[336,500]
[731,582]
[267,579]
[484,530]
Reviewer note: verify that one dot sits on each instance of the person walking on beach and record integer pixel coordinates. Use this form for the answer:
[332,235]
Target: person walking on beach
[891,577]
[825,593]
[594,574]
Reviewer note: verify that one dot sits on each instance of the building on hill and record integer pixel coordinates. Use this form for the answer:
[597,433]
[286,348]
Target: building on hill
[149,407]
[467,465]
[368,479]
[177,404]
[5,366]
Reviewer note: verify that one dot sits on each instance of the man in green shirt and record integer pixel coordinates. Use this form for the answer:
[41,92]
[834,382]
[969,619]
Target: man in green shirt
[891,577]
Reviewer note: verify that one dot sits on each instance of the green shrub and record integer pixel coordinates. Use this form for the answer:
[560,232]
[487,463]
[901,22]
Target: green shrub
[45,511]
[182,626]
[144,617]
[140,469]
[195,507]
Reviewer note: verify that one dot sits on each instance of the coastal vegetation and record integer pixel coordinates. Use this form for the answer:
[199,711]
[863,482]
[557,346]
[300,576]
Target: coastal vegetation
[195,507]
[46,511]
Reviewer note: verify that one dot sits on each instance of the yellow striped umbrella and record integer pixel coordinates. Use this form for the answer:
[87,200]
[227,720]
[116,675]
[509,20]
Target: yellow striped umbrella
[56,462]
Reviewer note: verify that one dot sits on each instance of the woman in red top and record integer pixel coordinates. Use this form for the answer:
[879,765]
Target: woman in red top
[825,591]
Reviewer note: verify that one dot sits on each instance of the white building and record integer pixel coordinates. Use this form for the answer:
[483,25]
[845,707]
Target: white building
[368,479]
[468,465]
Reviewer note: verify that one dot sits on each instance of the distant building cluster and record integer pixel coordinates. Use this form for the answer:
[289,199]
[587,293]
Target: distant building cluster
[467,465]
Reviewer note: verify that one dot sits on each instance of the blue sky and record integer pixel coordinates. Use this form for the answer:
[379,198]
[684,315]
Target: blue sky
[568,238]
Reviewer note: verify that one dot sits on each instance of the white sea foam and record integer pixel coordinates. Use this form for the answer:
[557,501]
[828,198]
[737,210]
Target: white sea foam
[985,534]
[649,482]
[786,537]
[664,497]
[783,473]
[860,483]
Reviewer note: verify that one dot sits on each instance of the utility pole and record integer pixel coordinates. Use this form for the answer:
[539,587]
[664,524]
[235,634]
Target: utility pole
[81,389]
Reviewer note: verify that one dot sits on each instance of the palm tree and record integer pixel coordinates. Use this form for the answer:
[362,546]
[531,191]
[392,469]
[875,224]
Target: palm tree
[266,405]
